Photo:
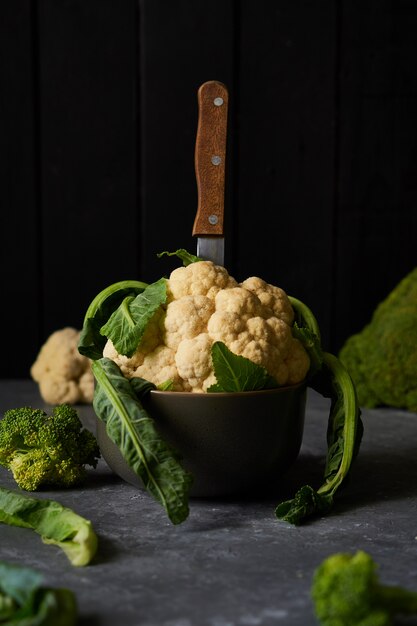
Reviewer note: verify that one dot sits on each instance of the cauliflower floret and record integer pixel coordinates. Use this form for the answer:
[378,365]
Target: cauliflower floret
[56,389]
[234,307]
[193,360]
[267,343]
[186,318]
[272,297]
[240,301]
[126,364]
[250,329]
[199,279]
[86,386]
[63,374]
[298,362]
[159,366]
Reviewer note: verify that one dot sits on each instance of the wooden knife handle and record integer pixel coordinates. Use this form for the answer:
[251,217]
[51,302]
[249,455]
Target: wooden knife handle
[210,157]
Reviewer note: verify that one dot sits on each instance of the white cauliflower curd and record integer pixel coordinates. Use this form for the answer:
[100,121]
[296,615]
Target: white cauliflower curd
[63,375]
[205,305]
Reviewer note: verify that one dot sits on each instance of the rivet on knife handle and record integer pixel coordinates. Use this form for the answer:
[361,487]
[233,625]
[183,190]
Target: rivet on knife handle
[210,158]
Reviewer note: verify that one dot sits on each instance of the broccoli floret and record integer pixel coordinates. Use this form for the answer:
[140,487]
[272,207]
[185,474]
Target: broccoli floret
[346,592]
[42,450]
[382,358]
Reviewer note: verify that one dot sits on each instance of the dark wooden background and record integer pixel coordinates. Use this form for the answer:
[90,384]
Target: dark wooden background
[98,116]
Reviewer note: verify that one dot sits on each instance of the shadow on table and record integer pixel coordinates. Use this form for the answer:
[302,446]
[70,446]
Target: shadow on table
[97,479]
[375,477]
[307,469]
[108,551]
[88,620]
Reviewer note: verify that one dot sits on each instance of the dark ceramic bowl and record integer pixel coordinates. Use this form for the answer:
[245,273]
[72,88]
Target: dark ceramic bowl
[232,443]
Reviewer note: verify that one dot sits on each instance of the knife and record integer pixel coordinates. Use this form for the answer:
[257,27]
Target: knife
[210,157]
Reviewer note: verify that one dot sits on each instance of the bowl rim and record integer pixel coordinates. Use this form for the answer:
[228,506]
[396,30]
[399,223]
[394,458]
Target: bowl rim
[229,394]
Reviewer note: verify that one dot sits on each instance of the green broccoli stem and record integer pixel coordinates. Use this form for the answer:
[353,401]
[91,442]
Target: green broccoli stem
[396,599]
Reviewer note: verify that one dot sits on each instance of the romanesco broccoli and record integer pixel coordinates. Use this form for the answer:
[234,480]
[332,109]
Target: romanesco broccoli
[346,592]
[45,450]
[382,358]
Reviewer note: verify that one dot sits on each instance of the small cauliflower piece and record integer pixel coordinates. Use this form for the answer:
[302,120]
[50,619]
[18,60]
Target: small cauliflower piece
[199,279]
[272,297]
[248,327]
[298,362]
[159,367]
[63,374]
[234,307]
[193,361]
[240,301]
[186,318]
[127,364]
[86,386]
[56,389]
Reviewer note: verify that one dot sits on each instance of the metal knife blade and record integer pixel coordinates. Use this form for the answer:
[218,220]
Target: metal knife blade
[210,162]
[211,249]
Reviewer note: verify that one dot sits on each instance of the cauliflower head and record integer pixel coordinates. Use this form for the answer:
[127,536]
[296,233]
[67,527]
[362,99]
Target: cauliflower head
[63,374]
[205,305]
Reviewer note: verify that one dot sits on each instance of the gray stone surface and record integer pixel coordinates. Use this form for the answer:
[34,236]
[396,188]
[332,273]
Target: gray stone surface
[232,563]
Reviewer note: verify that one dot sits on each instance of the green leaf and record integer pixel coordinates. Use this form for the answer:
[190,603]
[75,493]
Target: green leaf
[141,387]
[330,378]
[344,434]
[117,403]
[306,502]
[91,343]
[24,600]
[55,523]
[128,323]
[237,373]
[183,255]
